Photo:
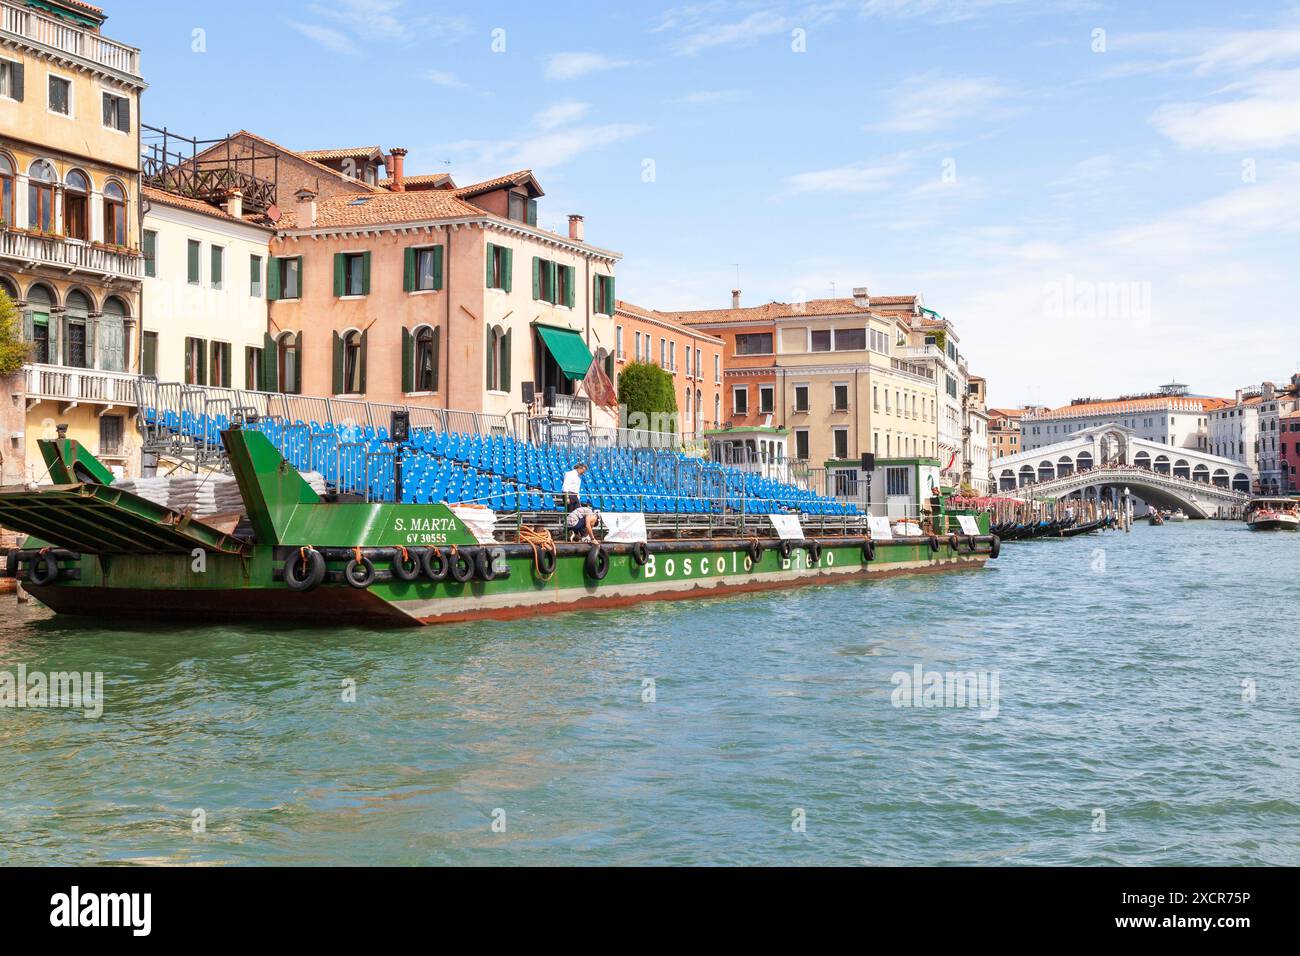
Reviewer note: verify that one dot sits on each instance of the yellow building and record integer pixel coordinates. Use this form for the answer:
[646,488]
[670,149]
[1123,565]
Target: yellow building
[69,226]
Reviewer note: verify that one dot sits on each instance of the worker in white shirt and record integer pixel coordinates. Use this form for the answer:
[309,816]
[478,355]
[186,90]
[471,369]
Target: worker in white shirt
[573,485]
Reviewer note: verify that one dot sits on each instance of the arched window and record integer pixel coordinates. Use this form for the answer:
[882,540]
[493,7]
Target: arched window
[1221,477]
[1201,473]
[1046,471]
[1182,469]
[425,377]
[8,288]
[114,336]
[287,363]
[40,196]
[687,420]
[498,359]
[6,191]
[354,369]
[114,215]
[1064,466]
[1161,464]
[43,327]
[79,346]
[76,206]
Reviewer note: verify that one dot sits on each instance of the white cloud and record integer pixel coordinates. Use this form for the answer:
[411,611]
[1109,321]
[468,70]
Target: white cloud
[548,150]
[334,40]
[855,178]
[570,66]
[931,100]
[1265,116]
[704,36]
[709,97]
[443,78]
[561,114]
[943,11]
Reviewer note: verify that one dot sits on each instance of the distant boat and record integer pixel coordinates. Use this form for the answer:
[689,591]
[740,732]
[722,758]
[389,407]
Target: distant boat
[1154,519]
[1272,514]
[1178,515]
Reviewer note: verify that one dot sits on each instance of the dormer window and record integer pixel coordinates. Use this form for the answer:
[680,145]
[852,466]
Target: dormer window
[523,209]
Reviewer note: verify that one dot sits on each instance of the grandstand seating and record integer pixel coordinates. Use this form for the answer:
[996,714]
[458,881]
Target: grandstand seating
[505,473]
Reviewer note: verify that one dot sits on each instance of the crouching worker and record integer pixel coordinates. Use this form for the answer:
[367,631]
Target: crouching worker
[582,524]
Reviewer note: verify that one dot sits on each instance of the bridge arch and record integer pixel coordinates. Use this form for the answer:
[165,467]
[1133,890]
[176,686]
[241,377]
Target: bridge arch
[1182,469]
[1241,482]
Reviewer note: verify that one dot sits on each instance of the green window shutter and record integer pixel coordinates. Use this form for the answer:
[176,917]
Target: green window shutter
[508,267]
[532,212]
[337,382]
[302,284]
[595,293]
[189,362]
[365,275]
[571,287]
[365,337]
[408,271]
[488,381]
[437,267]
[552,271]
[437,342]
[537,278]
[408,359]
[270,364]
[505,361]
[273,282]
[203,362]
[491,250]
[609,295]
[192,262]
[339,265]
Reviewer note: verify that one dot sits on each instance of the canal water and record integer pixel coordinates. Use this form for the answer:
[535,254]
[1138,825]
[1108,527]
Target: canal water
[1139,706]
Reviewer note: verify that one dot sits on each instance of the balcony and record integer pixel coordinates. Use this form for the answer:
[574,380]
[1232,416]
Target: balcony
[31,250]
[72,386]
[72,40]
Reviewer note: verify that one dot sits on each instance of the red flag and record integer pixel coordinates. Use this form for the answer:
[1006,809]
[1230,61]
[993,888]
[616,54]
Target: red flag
[599,388]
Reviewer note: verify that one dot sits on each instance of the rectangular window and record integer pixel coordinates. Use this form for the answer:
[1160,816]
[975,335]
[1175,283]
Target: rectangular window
[740,400]
[663,353]
[841,437]
[688,362]
[672,356]
[850,340]
[428,269]
[618,341]
[192,262]
[699,366]
[801,399]
[351,274]
[801,444]
[60,95]
[499,262]
[766,399]
[898,480]
[841,398]
[11,80]
[220,365]
[717,370]
[112,435]
[604,292]
[117,112]
[286,282]
[253,369]
[754,343]
[150,253]
[636,344]
[149,358]
[255,276]
[196,361]
[522,209]
[216,273]
[819,340]
[563,285]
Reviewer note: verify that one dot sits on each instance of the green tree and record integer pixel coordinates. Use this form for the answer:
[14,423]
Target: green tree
[13,349]
[647,390]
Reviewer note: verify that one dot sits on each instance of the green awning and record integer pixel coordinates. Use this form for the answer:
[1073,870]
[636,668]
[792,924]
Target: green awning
[568,350]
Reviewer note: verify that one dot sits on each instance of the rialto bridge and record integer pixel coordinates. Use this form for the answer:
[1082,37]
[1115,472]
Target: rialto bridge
[1105,461]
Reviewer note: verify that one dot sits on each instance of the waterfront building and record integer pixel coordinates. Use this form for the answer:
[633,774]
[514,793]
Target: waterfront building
[69,231]
[443,297]
[692,356]
[1170,416]
[1289,451]
[975,435]
[828,373]
[1004,431]
[205,311]
[1275,402]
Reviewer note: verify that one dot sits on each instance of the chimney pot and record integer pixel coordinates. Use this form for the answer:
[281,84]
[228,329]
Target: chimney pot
[398,171]
[306,208]
[860,297]
[735,298]
[576,230]
[235,204]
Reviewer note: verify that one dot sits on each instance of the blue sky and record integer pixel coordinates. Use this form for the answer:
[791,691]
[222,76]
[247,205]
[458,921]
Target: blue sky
[1101,196]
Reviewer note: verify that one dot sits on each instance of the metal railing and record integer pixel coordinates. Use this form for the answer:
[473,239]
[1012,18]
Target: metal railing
[68,38]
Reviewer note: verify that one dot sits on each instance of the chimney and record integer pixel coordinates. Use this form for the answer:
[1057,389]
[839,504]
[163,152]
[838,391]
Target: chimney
[235,204]
[1269,392]
[575,228]
[860,297]
[735,298]
[306,215]
[397,172]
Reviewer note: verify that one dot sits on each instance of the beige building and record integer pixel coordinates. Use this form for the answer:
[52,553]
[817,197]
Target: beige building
[69,229]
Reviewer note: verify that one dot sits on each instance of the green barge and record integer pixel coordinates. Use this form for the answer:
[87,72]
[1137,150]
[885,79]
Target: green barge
[291,554]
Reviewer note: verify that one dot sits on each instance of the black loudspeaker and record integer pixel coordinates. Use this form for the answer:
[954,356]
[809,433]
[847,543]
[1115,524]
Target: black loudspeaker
[868,461]
[530,392]
[399,427]
[550,396]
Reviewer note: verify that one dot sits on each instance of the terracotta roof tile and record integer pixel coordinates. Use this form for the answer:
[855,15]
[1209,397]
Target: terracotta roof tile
[198,205]
[426,181]
[384,208]
[771,311]
[488,185]
[306,159]
[326,155]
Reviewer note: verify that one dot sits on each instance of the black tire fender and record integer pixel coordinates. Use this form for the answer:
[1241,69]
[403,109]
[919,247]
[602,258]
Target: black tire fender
[404,571]
[970,543]
[995,547]
[954,543]
[312,564]
[43,570]
[814,552]
[462,567]
[868,551]
[755,552]
[359,572]
[934,543]
[640,553]
[434,564]
[546,562]
[785,549]
[597,563]
[484,567]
